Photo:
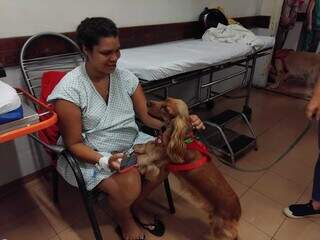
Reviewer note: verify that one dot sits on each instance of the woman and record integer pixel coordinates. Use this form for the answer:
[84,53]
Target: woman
[96,104]
[287,21]
[312,208]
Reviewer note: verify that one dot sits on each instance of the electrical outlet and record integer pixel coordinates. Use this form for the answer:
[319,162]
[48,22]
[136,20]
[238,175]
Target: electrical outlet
[2,71]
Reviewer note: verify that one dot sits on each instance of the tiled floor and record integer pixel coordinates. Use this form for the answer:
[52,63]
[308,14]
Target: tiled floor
[29,213]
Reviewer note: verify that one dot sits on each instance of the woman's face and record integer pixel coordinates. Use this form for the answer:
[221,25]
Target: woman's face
[104,56]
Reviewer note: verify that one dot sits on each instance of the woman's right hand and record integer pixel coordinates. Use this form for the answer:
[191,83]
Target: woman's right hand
[114,161]
[313,108]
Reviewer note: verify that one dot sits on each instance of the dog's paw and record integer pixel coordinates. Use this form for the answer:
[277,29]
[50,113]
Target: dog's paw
[139,148]
[152,173]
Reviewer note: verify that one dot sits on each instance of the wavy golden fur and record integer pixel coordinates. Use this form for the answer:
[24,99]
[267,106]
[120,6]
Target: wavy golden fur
[205,184]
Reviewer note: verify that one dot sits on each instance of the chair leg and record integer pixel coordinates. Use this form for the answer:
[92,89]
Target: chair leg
[55,184]
[87,199]
[169,196]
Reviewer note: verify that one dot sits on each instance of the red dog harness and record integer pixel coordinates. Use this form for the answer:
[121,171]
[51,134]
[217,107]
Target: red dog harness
[194,145]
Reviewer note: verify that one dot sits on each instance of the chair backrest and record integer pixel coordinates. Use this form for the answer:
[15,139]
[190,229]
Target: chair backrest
[47,52]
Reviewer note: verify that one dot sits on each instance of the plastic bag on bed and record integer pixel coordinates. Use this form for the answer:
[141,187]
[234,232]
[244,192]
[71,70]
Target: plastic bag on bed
[10,104]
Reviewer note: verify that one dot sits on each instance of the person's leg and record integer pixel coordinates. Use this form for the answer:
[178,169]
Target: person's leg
[123,189]
[305,39]
[316,179]
[313,207]
[147,188]
[316,186]
[314,42]
[146,219]
[281,38]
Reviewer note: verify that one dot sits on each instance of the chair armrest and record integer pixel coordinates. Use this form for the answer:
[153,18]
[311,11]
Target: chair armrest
[62,151]
[57,149]
[75,168]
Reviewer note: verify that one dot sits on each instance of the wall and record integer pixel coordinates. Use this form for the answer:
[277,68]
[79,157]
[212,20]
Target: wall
[33,16]
[236,8]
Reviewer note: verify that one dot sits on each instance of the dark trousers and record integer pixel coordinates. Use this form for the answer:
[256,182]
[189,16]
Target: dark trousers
[316,178]
[281,37]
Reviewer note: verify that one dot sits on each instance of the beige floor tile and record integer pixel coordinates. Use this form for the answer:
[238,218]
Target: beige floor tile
[87,234]
[183,227]
[299,229]
[278,188]
[292,167]
[55,238]
[31,226]
[15,205]
[245,178]
[238,187]
[249,232]
[261,211]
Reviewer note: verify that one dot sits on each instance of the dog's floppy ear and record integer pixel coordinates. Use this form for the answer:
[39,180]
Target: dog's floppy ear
[176,147]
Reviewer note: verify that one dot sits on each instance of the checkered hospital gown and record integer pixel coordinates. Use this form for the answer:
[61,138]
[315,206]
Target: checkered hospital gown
[106,127]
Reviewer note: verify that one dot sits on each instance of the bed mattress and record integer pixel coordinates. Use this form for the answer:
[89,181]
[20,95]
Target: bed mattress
[159,61]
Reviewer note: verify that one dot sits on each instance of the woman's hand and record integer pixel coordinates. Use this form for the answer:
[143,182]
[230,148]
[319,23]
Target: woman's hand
[114,161]
[196,122]
[313,108]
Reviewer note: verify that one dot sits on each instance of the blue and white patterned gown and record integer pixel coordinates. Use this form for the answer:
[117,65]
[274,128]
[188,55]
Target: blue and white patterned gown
[107,127]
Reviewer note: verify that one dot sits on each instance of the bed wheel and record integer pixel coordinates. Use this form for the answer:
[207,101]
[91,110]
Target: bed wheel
[248,112]
[210,105]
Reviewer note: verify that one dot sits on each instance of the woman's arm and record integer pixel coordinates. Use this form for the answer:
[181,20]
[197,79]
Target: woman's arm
[70,128]
[140,107]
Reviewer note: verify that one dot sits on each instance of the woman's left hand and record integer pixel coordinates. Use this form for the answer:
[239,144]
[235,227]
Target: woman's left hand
[196,122]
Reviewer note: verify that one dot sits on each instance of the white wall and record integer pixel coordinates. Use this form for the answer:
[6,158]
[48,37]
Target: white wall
[27,17]
[241,8]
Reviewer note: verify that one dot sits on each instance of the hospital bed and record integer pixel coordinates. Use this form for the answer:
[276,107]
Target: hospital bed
[161,66]
[165,66]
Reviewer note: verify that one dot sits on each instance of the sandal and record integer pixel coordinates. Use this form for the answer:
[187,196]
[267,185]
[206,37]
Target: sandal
[156,228]
[118,230]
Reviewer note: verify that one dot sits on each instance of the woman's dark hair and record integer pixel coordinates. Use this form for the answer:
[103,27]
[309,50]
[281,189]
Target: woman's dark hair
[90,30]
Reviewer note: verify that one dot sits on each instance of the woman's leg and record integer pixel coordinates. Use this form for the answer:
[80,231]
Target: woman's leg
[316,186]
[123,189]
[316,179]
[147,188]
[314,42]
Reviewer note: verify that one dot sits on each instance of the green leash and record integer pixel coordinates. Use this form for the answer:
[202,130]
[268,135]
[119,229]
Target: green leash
[291,146]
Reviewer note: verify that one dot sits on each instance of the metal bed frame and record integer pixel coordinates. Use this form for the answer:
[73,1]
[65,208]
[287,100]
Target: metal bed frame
[247,64]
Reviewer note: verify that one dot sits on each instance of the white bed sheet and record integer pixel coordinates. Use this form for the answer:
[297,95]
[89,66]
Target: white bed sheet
[164,60]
